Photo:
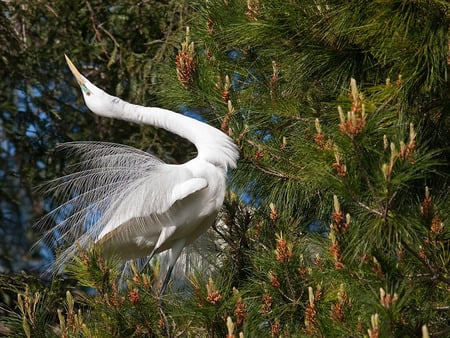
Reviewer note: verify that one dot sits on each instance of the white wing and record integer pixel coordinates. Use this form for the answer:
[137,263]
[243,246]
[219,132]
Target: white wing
[147,212]
[113,184]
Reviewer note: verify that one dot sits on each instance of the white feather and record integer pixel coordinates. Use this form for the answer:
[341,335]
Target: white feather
[130,202]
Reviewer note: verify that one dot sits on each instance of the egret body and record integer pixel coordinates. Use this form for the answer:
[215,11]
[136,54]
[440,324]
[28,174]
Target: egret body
[143,206]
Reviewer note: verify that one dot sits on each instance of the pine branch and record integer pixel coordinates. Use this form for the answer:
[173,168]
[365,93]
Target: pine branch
[435,275]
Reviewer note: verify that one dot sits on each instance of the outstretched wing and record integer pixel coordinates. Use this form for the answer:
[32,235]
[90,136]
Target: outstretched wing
[110,185]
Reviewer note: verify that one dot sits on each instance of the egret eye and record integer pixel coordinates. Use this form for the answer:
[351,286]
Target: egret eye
[85,89]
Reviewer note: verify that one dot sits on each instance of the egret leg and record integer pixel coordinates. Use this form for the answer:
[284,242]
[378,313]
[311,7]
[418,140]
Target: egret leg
[147,262]
[161,239]
[160,300]
[166,280]
[174,253]
[163,236]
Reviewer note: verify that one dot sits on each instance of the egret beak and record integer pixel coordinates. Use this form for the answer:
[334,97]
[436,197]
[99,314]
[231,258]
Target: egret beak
[80,78]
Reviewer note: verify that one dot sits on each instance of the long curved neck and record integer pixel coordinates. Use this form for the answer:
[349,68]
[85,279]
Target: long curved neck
[193,130]
[212,144]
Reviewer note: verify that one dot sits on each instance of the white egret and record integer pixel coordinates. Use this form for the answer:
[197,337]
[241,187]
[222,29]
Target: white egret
[139,205]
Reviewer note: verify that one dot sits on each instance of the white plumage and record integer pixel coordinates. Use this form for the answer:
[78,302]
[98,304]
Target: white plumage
[130,202]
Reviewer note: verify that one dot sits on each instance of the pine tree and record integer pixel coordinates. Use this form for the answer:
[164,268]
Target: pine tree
[341,113]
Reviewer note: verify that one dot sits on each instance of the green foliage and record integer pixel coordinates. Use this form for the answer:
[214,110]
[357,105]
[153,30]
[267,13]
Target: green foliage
[345,226]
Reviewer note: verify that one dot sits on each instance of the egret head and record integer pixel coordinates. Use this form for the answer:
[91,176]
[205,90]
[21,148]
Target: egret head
[87,87]
[94,97]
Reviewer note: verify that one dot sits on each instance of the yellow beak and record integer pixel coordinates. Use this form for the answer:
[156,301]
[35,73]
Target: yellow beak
[80,78]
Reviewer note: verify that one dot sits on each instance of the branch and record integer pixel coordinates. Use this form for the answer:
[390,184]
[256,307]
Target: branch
[374,211]
[94,27]
[272,172]
[435,275]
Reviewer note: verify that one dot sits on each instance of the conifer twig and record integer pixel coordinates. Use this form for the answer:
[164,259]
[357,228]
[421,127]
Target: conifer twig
[435,275]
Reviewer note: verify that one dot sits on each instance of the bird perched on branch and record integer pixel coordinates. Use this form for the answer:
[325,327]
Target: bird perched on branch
[135,204]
